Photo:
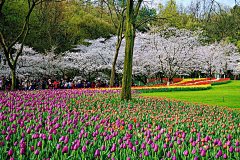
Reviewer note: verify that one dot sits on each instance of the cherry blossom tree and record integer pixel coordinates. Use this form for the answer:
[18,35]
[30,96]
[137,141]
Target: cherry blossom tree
[172,48]
[217,58]
[236,70]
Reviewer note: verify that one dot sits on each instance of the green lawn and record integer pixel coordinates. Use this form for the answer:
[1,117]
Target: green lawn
[213,96]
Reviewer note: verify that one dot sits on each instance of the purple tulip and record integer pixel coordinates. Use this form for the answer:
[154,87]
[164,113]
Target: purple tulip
[12,158]
[22,151]
[195,158]
[136,142]
[185,152]
[231,149]
[174,158]
[10,152]
[87,142]
[143,146]
[219,153]
[203,153]
[28,131]
[39,144]
[130,127]
[164,145]
[229,137]
[194,143]
[97,153]
[225,156]
[156,148]
[169,154]
[113,149]
[191,140]
[228,143]
[109,156]
[124,145]
[138,125]
[238,149]
[146,153]
[84,149]
[237,143]
[175,138]
[103,148]
[153,145]
[65,149]
[134,149]
[50,137]
[32,148]
[130,145]
[58,146]
[150,141]
[8,137]
[194,151]
[179,141]
[36,152]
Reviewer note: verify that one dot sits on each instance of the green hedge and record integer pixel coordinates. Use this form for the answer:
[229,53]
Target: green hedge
[219,83]
[171,89]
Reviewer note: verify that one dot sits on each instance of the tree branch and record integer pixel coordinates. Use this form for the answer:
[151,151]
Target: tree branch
[21,48]
[1,5]
[147,20]
[137,8]
[25,24]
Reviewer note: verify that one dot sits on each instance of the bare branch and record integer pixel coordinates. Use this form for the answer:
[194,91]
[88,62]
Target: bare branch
[147,20]
[137,8]
[1,5]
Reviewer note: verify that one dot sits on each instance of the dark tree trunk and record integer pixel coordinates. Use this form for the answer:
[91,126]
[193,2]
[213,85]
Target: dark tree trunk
[129,44]
[13,73]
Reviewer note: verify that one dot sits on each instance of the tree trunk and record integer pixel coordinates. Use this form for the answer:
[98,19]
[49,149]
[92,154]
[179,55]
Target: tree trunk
[127,71]
[112,80]
[13,72]
[119,41]
[129,44]
[161,78]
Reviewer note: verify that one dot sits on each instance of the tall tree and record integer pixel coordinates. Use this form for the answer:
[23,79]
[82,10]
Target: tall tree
[8,45]
[119,9]
[131,16]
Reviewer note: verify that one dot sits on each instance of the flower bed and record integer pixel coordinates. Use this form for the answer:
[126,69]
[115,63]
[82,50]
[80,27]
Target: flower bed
[174,88]
[204,82]
[90,124]
[175,80]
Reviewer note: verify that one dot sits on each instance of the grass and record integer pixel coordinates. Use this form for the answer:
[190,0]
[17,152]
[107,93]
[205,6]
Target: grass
[225,95]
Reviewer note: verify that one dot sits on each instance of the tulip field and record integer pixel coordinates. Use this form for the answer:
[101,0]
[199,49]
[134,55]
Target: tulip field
[94,124]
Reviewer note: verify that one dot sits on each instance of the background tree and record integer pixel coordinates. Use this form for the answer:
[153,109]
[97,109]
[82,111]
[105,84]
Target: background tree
[172,48]
[7,44]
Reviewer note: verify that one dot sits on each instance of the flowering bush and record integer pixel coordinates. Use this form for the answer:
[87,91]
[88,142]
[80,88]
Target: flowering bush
[89,124]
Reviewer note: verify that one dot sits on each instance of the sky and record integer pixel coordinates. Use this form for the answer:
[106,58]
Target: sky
[229,3]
